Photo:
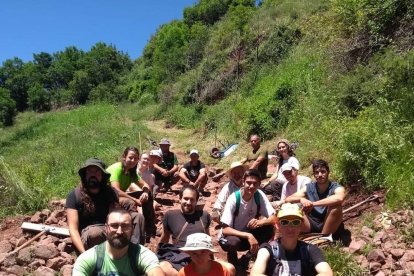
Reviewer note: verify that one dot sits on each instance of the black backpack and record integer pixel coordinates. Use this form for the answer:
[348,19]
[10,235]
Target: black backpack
[133,251]
[307,265]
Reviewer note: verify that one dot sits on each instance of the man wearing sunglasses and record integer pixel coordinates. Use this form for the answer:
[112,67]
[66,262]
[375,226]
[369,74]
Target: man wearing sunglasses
[118,256]
[321,200]
[287,255]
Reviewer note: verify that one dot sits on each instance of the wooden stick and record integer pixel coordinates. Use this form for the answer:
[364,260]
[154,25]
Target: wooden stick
[371,198]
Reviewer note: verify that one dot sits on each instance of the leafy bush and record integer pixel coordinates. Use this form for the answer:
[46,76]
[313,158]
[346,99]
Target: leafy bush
[7,108]
[342,263]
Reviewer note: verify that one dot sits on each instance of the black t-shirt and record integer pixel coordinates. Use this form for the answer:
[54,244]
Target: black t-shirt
[102,205]
[174,221]
[293,259]
[194,171]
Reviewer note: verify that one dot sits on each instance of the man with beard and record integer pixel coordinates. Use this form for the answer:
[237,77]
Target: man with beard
[178,224]
[118,256]
[88,205]
[247,220]
[235,174]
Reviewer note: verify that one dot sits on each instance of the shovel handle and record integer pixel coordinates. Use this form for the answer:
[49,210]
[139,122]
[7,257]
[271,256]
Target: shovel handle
[371,198]
[28,242]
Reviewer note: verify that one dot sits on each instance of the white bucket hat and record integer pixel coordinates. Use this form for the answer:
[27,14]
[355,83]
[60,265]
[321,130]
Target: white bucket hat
[198,241]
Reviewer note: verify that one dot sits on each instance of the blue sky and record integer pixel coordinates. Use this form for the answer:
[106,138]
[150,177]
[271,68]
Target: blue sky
[28,26]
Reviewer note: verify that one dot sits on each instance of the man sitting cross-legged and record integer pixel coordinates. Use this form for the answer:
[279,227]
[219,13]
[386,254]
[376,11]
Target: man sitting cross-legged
[194,172]
[118,256]
[248,218]
[287,255]
[321,200]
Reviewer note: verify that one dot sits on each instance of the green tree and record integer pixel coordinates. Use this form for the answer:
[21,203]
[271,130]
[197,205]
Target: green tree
[7,108]
[39,98]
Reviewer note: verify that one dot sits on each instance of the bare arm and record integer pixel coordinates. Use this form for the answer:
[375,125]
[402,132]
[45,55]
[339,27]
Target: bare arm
[257,162]
[334,200]
[259,266]
[72,216]
[117,187]
[183,176]
[156,271]
[296,197]
[256,223]
[323,269]
[173,170]
[275,174]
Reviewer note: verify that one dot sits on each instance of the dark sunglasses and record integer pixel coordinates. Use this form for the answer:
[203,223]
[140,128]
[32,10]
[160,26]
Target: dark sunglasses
[293,222]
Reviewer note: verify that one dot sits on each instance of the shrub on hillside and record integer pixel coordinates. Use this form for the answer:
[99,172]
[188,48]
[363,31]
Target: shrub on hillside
[7,108]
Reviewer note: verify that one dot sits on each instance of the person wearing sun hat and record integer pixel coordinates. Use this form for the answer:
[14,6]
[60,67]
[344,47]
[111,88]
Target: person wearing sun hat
[200,247]
[235,173]
[165,170]
[287,255]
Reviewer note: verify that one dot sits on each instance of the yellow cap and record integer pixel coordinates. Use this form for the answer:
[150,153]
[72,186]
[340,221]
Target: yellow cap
[289,209]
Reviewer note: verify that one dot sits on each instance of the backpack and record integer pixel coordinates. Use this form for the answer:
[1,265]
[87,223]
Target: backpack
[306,263]
[238,200]
[133,251]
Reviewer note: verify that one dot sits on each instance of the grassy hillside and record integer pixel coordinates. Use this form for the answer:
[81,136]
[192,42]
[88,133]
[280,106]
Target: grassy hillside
[41,154]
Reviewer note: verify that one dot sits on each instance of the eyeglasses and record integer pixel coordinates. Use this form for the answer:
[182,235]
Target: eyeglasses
[115,226]
[293,222]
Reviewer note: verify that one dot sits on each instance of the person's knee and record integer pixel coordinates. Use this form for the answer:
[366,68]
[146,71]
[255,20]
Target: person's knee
[93,235]
[168,269]
[229,267]
[231,243]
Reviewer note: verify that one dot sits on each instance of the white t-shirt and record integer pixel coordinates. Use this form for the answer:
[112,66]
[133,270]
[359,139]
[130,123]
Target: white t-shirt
[289,189]
[291,160]
[148,177]
[224,194]
[247,211]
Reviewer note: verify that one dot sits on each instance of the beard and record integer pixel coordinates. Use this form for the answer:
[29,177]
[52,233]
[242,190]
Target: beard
[187,209]
[92,183]
[118,241]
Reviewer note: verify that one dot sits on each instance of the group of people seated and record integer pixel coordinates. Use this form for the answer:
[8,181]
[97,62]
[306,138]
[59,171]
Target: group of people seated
[111,215]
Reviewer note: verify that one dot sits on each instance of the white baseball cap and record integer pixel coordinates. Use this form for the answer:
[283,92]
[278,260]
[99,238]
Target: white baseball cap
[194,151]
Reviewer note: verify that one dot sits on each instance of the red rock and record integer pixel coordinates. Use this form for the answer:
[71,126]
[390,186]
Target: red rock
[20,241]
[374,267]
[380,273]
[408,256]
[56,263]
[397,253]
[356,246]
[38,217]
[367,232]
[36,264]
[44,271]
[61,246]
[46,251]
[66,270]
[24,256]
[69,258]
[49,239]
[376,255]
[16,270]
[5,246]
[409,266]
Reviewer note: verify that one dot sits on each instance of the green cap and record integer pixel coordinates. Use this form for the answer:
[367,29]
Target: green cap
[94,162]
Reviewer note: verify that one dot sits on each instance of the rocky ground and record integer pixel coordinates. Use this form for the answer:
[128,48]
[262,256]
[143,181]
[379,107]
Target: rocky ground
[381,242]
